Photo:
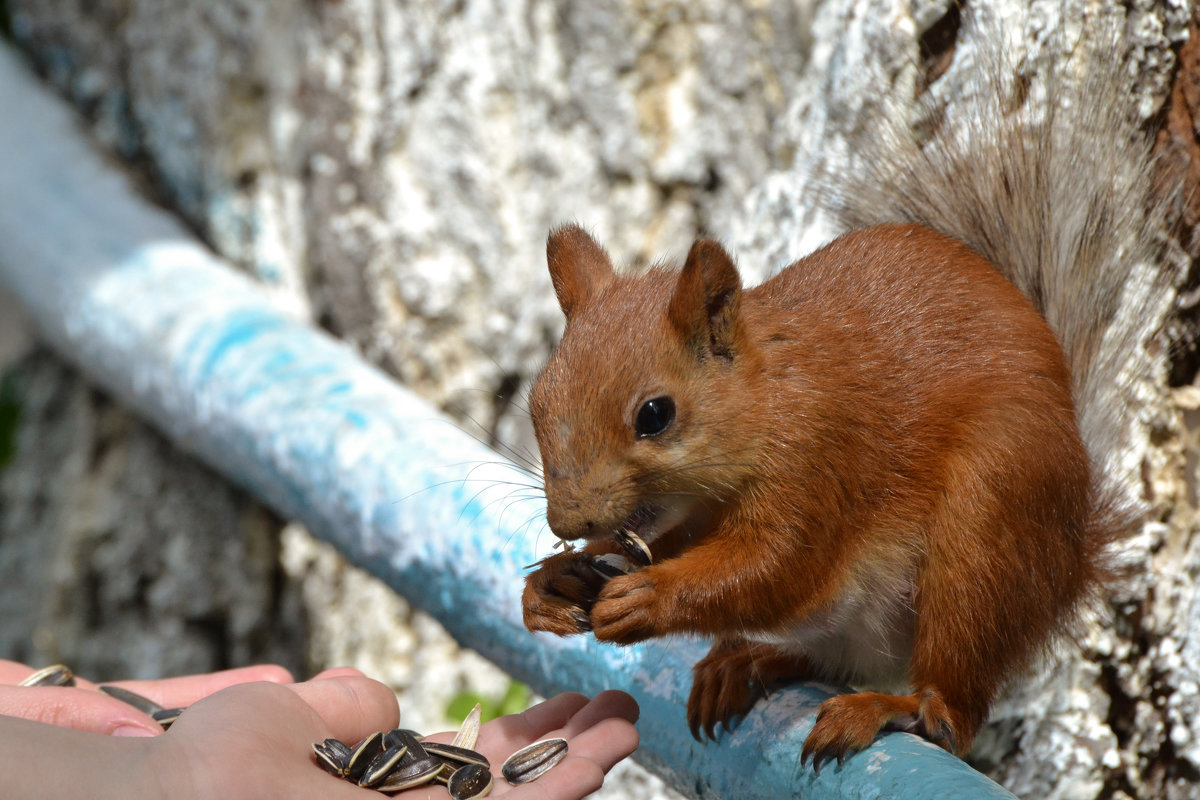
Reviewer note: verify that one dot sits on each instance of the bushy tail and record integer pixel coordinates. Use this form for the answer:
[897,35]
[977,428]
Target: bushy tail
[1051,179]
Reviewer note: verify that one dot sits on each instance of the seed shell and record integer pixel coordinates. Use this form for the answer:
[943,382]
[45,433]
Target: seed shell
[448,769]
[53,675]
[416,773]
[470,782]
[332,755]
[143,704]
[460,756]
[632,544]
[395,735]
[382,765]
[612,565]
[533,761]
[403,737]
[468,732]
[362,755]
[166,718]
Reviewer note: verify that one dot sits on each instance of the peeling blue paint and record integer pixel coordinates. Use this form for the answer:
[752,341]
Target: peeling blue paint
[239,331]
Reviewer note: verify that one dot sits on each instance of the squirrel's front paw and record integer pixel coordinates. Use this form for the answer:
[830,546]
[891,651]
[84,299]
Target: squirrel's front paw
[559,595]
[626,610]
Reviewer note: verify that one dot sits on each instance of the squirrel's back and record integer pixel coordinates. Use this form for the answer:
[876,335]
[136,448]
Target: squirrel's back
[1057,191]
[912,323]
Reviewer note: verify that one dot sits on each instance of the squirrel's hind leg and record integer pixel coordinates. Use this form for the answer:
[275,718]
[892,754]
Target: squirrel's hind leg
[734,675]
[983,605]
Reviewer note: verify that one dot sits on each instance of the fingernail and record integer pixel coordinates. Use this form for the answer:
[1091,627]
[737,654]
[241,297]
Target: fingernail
[132,731]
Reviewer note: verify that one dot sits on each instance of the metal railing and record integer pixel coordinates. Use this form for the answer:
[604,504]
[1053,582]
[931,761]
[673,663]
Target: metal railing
[123,291]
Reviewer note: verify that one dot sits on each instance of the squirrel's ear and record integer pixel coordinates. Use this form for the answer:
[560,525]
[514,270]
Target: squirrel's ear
[579,266]
[704,305]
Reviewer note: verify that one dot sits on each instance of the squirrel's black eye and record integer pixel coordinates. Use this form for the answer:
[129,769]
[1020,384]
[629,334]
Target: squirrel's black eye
[654,417]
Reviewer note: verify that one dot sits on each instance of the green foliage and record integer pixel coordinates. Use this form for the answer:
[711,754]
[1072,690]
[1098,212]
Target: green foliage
[10,413]
[515,699]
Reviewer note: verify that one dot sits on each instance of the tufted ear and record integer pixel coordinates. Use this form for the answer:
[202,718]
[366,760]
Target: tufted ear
[704,305]
[579,266]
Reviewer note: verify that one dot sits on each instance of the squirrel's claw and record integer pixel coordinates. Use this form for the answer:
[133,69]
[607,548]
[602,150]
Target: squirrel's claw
[822,756]
[848,723]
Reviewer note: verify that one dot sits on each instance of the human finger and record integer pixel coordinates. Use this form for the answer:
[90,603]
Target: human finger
[12,672]
[610,704]
[605,742]
[184,690]
[571,779]
[81,709]
[352,706]
[599,734]
[337,672]
[564,715]
[590,755]
[503,735]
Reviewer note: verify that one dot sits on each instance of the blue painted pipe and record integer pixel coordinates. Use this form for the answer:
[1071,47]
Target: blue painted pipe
[123,291]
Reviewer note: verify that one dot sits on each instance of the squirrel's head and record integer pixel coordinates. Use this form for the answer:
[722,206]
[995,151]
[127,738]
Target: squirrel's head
[636,413]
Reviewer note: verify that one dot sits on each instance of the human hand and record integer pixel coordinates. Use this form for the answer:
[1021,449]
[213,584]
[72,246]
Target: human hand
[242,741]
[84,708]
[258,739]
[255,740]
[599,733]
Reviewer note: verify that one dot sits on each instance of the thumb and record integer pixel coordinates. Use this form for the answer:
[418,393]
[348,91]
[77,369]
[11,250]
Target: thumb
[81,709]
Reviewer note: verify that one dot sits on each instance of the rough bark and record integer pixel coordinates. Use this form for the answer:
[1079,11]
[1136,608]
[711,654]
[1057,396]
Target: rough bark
[108,566]
[393,169]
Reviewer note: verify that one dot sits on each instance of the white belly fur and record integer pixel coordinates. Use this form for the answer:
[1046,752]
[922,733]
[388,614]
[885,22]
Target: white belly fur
[865,639]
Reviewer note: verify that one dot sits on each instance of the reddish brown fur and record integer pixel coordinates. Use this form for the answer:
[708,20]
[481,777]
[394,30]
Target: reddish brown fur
[887,422]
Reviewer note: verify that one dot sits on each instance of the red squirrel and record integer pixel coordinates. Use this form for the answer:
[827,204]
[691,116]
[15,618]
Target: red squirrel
[868,469]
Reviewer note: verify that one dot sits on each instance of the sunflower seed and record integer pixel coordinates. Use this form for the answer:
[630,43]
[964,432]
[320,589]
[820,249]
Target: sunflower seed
[402,737]
[362,755]
[416,773]
[166,718]
[632,544]
[460,756]
[332,755]
[533,761]
[382,765]
[468,732]
[470,782]
[53,675]
[612,565]
[143,704]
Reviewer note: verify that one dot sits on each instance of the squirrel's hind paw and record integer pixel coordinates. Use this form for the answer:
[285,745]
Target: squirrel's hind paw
[848,723]
[734,675]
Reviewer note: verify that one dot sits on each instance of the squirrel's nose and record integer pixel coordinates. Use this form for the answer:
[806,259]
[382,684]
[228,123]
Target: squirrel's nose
[568,525]
[565,517]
